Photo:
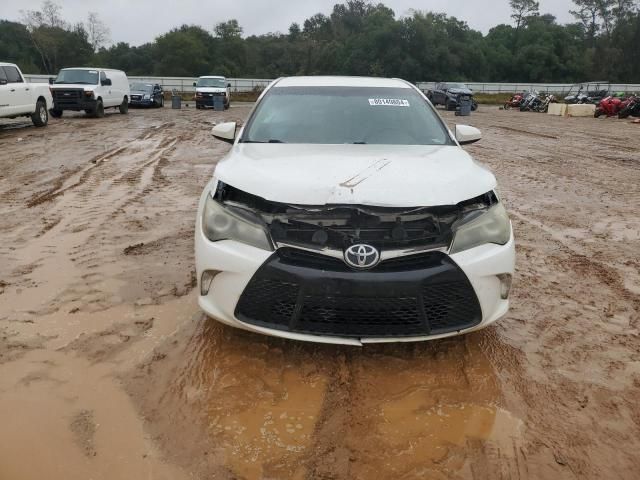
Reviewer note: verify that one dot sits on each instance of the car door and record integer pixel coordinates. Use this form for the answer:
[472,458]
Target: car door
[106,91]
[19,97]
[5,106]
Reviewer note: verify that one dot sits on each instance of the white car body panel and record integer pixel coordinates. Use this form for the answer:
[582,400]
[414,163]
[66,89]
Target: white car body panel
[19,99]
[355,174]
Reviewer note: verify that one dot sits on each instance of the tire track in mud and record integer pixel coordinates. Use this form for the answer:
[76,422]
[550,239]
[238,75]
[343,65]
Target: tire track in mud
[85,202]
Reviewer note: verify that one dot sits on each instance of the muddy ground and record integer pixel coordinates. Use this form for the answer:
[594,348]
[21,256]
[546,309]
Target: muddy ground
[108,370]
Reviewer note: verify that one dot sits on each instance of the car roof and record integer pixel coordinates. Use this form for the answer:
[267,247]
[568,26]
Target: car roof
[212,76]
[330,81]
[4,64]
[93,68]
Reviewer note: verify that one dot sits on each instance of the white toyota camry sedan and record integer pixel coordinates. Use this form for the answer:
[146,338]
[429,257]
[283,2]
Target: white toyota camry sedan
[347,212]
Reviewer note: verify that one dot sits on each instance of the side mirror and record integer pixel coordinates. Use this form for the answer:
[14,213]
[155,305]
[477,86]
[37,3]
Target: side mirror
[106,82]
[466,134]
[3,81]
[51,80]
[194,84]
[225,131]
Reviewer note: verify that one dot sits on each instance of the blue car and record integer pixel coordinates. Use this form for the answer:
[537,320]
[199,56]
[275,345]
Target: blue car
[146,95]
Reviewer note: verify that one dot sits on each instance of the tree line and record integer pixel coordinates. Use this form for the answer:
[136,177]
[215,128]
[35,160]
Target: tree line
[357,38]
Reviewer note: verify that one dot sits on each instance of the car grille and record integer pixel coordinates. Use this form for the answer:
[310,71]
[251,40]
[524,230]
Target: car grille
[304,292]
[208,98]
[67,97]
[136,98]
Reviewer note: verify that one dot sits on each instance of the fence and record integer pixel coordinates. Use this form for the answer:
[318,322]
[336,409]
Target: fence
[182,84]
[558,88]
[185,84]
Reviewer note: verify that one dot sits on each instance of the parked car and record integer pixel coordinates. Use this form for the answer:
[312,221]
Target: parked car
[19,98]
[91,90]
[347,212]
[146,95]
[448,94]
[208,87]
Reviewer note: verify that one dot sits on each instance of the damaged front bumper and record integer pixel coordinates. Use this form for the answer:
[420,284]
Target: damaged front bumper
[302,294]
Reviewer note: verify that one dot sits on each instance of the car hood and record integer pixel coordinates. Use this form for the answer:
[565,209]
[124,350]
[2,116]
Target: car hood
[141,92]
[376,175]
[211,89]
[73,86]
[460,91]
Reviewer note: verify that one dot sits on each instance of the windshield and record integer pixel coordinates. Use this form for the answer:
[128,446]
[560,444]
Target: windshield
[89,77]
[212,82]
[142,87]
[345,115]
[457,85]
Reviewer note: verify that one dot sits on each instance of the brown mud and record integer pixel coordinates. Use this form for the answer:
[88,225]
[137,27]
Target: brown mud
[108,370]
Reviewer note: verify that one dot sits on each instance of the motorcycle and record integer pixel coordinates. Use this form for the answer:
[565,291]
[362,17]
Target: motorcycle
[610,106]
[591,92]
[515,102]
[632,107]
[531,101]
[543,106]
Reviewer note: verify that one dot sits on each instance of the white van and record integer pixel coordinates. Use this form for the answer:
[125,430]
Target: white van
[91,90]
[209,87]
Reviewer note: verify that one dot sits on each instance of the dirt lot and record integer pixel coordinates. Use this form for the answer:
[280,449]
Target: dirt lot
[109,371]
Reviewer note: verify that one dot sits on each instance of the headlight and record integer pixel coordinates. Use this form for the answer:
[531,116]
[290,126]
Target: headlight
[147,97]
[230,223]
[492,226]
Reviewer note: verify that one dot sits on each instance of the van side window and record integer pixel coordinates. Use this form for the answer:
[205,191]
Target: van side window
[13,76]
[3,76]
[103,76]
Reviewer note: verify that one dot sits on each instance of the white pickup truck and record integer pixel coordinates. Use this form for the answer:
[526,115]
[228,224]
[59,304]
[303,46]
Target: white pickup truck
[21,99]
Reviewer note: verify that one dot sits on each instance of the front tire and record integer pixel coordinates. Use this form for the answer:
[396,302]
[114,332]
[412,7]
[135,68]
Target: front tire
[598,112]
[40,117]
[99,111]
[124,106]
[55,113]
[624,113]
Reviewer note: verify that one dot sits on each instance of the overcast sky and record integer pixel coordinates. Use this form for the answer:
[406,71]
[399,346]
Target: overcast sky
[140,21]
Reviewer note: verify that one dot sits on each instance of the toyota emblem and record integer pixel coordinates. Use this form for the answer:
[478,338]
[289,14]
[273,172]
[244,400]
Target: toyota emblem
[361,256]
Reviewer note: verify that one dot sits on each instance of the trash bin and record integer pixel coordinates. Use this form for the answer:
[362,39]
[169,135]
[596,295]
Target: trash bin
[218,102]
[464,103]
[176,101]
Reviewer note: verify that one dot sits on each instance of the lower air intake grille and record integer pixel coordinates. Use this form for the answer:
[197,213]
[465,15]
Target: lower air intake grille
[302,293]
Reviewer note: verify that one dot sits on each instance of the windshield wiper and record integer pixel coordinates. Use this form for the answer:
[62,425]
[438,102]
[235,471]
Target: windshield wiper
[273,140]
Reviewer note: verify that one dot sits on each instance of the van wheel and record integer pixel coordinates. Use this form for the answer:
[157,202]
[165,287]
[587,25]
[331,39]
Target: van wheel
[124,106]
[99,111]
[55,113]
[40,117]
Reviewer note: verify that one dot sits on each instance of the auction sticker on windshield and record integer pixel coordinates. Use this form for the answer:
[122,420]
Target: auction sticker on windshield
[389,102]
